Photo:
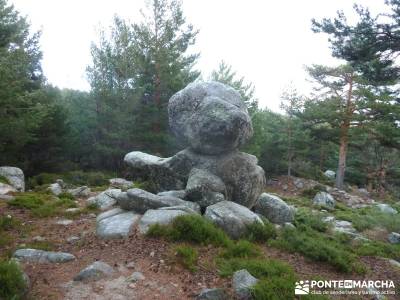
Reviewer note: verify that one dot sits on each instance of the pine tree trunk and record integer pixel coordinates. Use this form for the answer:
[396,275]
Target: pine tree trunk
[290,150]
[344,137]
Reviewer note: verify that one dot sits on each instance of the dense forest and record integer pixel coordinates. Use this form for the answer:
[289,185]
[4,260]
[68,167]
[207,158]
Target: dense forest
[349,124]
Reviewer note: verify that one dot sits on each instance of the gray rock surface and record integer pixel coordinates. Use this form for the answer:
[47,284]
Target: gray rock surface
[394,238]
[274,209]
[212,294]
[95,271]
[181,194]
[242,282]
[136,276]
[158,216]
[15,177]
[210,117]
[64,222]
[330,174]
[82,191]
[140,201]
[110,213]
[6,188]
[117,226]
[231,217]
[204,188]
[41,256]
[55,188]
[120,183]
[386,208]
[105,199]
[325,200]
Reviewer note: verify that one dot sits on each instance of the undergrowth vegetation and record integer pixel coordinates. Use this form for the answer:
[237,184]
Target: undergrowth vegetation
[12,283]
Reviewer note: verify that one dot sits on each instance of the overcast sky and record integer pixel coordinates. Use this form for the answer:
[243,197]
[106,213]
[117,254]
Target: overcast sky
[267,42]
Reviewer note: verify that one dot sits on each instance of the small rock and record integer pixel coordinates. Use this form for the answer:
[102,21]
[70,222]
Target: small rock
[121,183]
[40,256]
[94,272]
[394,238]
[82,191]
[72,239]
[55,188]
[325,200]
[330,174]
[6,188]
[72,210]
[131,265]
[289,225]
[242,282]
[38,238]
[105,199]
[387,209]
[394,263]
[152,253]
[136,276]
[64,222]
[212,294]
[328,219]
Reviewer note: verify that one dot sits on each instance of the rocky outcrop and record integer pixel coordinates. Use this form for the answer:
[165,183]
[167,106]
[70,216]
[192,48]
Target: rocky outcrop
[14,176]
[120,183]
[213,121]
[105,199]
[82,191]
[394,238]
[212,294]
[210,117]
[274,209]
[231,217]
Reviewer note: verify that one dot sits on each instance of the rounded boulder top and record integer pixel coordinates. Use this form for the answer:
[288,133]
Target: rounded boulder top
[211,117]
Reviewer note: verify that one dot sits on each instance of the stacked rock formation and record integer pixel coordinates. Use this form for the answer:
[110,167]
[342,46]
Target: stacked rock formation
[212,120]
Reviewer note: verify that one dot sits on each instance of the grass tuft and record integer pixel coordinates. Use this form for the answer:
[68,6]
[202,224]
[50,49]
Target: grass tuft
[12,282]
[241,249]
[257,232]
[187,256]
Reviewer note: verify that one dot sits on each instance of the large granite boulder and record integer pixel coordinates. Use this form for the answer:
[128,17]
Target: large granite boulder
[210,117]
[274,209]
[231,217]
[14,176]
[116,226]
[324,199]
[140,201]
[105,199]
[95,271]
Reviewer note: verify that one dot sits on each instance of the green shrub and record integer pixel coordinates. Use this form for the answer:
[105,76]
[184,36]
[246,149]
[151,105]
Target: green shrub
[12,283]
[193,229]
[4,180]
[8,222]
[73,177]
[375,248]
[316,246]
[257,232]
[30,200]
[187,256]
[66,195]
[241,249]
[310,219]
[311,192]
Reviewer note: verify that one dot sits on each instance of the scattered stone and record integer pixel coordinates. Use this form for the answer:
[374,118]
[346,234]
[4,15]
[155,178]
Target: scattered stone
[55,189]
[41,256]
[38,238]
[212,294]
[117,226]
[159,216]
[231,217]
[330,174]
[136,276]
[298,182]
[120,183]
[242,282]
[274,209]
[140,201]
[394,263]
[82,191]
[110,213]
[346,227]
[181,194]
[386,208]
[105,199]
[131,265]
[364,192]
[73,239]
[72,210]
[394,238]
[328,219]
[325,200]
[289,225]
[349,200]
[15,177]
[94,272]
[64,222]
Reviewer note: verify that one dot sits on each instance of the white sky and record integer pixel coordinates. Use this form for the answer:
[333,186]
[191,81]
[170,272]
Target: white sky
[268,42]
